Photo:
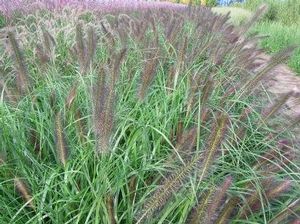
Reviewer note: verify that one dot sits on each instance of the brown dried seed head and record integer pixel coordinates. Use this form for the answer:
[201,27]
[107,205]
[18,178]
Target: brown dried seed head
[61,146]
[71,96]
[22,76]
[24,191]
[110,209]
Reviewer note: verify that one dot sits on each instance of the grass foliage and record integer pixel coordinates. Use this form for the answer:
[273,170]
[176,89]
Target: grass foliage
[142,117]
[2,21]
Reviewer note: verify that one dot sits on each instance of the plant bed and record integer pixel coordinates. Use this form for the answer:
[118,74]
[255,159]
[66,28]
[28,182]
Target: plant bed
[140,117]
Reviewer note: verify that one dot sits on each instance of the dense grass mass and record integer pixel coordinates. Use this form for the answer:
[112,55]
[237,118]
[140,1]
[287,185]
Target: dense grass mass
[148,116]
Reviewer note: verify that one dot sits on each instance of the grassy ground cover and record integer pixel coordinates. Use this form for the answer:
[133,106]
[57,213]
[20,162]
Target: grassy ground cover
[140,117]
[278,37]
[286,12]
[238,16]
[282,24]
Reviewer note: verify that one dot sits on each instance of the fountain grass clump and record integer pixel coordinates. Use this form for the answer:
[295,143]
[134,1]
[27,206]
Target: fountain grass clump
[146,116]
